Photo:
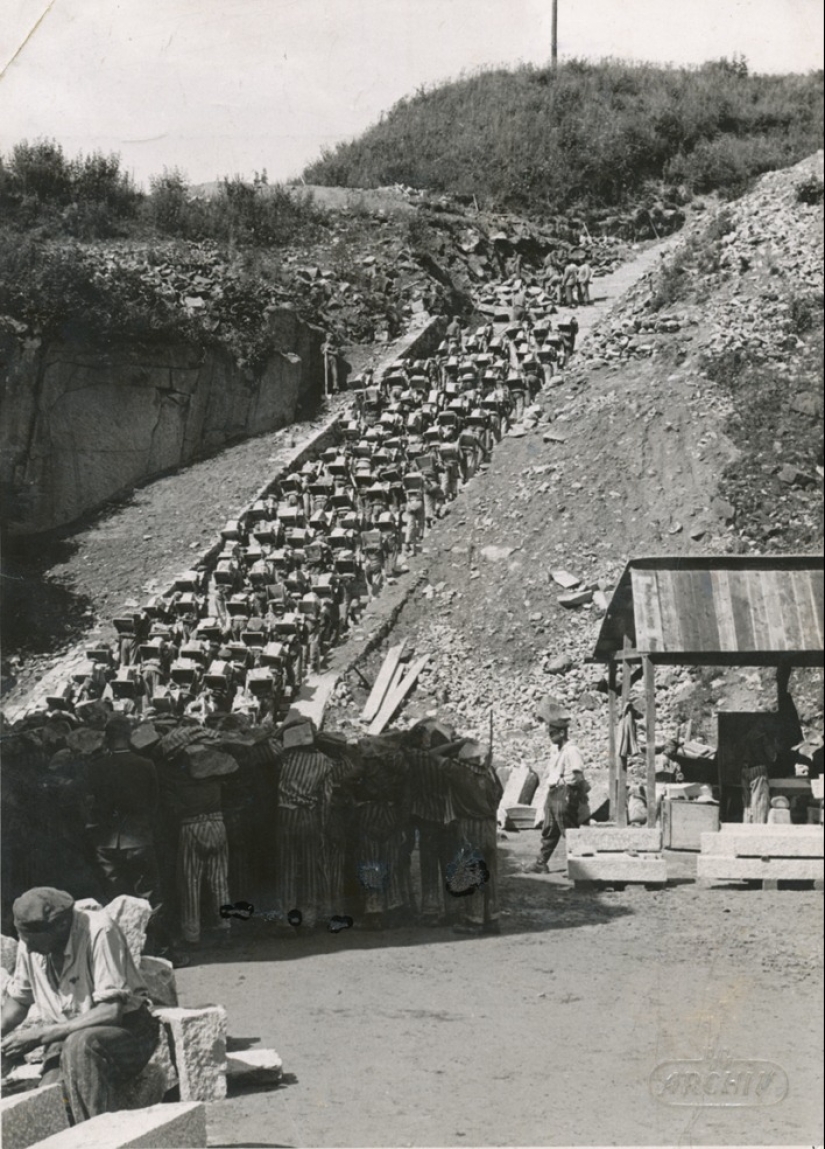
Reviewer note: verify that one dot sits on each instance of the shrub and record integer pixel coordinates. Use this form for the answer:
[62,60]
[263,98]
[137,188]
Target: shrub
[810,190]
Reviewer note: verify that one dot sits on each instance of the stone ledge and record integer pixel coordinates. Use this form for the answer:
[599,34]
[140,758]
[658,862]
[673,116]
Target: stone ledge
[724,868]
[775,842]
[182,1125]
[618,868]
[598,839]
[27,1117]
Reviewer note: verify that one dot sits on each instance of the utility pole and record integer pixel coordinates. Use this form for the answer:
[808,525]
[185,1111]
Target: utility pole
[554,50]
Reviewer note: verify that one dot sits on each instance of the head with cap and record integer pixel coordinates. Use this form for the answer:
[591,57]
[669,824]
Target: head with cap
[43,918]
[555,718]
[471,751]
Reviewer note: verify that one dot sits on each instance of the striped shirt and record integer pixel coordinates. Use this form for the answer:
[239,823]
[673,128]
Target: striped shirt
[305,779]
[428,787]
[97,968]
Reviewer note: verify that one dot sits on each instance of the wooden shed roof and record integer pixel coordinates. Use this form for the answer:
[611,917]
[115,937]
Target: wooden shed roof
[728,610]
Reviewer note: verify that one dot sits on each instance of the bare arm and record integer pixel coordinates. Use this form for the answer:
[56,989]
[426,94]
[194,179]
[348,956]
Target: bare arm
[14,1014]
[106,1013]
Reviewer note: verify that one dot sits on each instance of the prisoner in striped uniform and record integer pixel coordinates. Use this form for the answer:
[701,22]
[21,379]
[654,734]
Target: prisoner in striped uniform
[429,804]
[304,791]
[476,793]
[383,859]
[203,851]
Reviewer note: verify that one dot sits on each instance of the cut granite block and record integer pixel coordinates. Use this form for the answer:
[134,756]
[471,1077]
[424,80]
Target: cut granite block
[159,975]
[254,1067]
[132,915]
[725,868]
[29,1117]
[647,868]
[182,1125]
[752,841]
[599,839]
[8,953]
[198,1039]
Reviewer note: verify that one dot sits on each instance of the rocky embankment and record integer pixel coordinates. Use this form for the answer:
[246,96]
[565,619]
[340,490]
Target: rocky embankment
[645,448]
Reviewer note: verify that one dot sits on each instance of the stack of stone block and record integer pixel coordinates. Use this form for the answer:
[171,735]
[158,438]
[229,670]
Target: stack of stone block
[769,854]
[606,855]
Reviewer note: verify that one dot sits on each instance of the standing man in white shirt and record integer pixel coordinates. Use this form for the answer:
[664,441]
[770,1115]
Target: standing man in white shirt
[566,783]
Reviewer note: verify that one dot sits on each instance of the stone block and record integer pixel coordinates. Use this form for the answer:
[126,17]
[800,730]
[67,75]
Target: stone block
[159,975]
[759,841]
[649,869]
[198,1039]
[29,1117]
[601,839]
[725,868]
[182,1125]
[254,1067]
[132,915]
[8,953]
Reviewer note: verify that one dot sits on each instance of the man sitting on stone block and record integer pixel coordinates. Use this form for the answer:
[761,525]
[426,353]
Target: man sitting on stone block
[95,1020]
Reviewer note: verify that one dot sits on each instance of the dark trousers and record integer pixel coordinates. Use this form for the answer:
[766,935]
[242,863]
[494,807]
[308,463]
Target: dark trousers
[437,845]
[558,817]
[93,1063]
[133,870]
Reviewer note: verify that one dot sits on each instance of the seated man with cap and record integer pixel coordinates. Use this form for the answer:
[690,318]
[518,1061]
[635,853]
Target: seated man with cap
[566,783]
[74,965]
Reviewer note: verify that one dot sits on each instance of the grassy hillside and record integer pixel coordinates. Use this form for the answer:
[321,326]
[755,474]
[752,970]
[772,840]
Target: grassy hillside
[587,135]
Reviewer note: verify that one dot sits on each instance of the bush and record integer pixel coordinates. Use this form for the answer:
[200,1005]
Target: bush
[811,190]
[587,135]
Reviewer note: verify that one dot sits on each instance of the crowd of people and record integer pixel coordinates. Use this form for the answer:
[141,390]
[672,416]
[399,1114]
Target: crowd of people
[297,567]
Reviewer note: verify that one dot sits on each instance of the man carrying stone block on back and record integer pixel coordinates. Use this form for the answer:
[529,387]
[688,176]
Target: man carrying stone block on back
[74,965]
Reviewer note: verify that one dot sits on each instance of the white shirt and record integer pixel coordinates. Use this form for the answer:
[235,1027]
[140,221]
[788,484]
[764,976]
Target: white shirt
[97,967]
[568,763]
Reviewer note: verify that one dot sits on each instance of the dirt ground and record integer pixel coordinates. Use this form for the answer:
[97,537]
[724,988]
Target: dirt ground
[546,1035]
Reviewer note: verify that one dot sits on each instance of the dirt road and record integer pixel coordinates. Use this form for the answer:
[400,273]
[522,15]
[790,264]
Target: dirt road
[546,1035]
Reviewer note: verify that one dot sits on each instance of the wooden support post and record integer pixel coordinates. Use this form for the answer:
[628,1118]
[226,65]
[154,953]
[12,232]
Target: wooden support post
[611,736]
[650,732]
[621,774]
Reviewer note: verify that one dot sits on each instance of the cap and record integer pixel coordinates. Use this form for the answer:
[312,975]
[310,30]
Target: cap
[41,907]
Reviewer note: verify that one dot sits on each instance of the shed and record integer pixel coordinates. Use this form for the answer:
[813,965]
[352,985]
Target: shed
[736,610]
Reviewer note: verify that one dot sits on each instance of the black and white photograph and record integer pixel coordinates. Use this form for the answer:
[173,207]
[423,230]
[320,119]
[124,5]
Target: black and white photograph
[411,539]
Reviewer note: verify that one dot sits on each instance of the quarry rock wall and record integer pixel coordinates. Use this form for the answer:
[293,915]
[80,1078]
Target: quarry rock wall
[81,425]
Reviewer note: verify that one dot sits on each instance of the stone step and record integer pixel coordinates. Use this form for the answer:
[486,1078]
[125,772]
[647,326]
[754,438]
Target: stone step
[647,869]
[766,841]
[179,1124]
[26,1118]
[603,839]
[724,867]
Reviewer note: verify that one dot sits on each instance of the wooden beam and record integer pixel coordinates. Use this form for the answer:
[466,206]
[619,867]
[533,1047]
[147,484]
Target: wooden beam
[621,773]
[383,681]
[611,737]
[650,732]
[397,695]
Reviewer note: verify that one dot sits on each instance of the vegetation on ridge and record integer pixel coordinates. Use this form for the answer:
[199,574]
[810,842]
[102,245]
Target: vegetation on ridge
[586,135]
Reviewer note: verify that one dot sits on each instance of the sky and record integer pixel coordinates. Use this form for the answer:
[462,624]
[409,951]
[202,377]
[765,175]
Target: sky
[225,87]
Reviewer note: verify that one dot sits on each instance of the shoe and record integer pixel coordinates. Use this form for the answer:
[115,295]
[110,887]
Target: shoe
[537,868]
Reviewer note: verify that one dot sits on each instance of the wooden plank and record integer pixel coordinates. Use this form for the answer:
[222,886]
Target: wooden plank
[777,629]
[621,760]
[810,611]
[671,627]
[383,681]
[650,736]
[702,589]
[740,603]
[724,609]
[759,610]
[646,611]
[611,737]
[791,623]
[397,696]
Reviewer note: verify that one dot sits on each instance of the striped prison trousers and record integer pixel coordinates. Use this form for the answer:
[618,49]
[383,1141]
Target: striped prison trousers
[300,863]
[203,853]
